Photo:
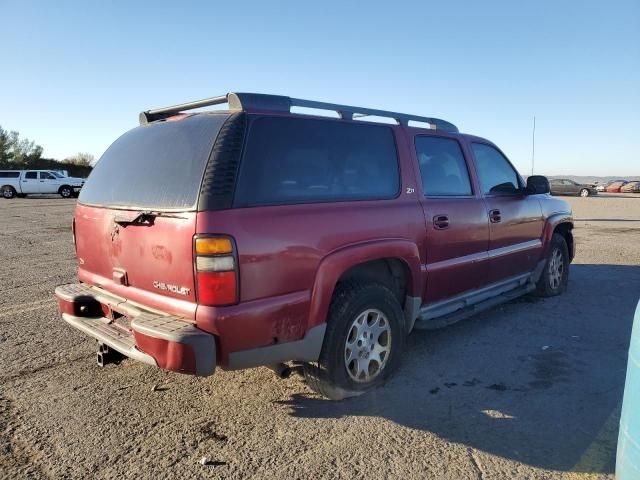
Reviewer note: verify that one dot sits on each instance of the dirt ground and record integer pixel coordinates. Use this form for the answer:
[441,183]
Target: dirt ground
[531,389]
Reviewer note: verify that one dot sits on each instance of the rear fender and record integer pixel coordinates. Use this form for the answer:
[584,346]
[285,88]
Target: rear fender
[336,263]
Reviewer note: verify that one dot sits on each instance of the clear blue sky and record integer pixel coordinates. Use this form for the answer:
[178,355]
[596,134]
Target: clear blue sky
[75,74]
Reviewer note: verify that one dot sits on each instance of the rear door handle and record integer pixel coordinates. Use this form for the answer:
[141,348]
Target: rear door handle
[440,222]
[495,216]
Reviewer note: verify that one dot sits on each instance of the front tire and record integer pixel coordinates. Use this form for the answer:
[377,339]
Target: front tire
[363,343]
[555,276]
[584,192]
[8,192]
[66,192]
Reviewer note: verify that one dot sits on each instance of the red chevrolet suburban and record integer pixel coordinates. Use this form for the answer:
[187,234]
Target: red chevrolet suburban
[271,234]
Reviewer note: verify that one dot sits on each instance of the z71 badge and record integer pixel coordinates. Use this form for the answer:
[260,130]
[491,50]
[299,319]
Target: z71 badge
[171,288]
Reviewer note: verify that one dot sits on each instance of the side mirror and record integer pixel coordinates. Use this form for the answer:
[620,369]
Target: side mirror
[537,184]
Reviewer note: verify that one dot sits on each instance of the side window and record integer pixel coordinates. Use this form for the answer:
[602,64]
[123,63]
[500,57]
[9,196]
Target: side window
[494,171]
[294,160]
[31,175]
[442,167]
[46,176]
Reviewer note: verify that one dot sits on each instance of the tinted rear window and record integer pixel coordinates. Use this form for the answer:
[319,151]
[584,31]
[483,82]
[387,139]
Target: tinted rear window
[9,174]
[442,167]
[158,166]
[297,160]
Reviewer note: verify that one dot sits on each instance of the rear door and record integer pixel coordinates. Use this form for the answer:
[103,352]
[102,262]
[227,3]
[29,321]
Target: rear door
[30,182]
[157,168]
[515,219]
[557,188]
[457,230]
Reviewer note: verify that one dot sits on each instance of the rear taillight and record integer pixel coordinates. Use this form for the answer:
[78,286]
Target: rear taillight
[216,268]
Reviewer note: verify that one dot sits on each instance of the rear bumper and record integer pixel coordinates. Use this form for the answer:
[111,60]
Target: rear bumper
[153,338]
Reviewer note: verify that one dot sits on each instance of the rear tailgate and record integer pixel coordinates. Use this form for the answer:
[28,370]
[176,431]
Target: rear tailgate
[157,168]
[149,264]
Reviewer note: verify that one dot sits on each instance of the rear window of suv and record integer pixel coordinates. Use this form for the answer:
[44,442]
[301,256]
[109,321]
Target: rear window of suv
[157,166]
[298,160]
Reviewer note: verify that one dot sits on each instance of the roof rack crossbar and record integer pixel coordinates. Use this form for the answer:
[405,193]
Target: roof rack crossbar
[278,103]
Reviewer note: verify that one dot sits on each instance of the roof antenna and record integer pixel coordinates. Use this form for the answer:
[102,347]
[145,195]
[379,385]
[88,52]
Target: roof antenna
[533,146]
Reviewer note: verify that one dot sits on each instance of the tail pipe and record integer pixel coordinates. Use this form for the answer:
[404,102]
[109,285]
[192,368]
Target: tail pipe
[281,370]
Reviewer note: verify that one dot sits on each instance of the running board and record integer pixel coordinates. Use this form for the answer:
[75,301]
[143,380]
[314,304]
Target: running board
[423,323]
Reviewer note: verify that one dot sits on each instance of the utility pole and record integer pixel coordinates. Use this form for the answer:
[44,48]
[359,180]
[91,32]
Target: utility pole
[533,146]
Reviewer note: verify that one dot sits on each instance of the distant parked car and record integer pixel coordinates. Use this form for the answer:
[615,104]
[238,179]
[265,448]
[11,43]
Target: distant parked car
[603,186]
[20,183]
[616,186]
[631,187]
[564,186]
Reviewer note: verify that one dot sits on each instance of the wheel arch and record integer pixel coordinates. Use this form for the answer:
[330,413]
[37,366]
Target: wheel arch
[15,192]
[561,223]
[395,263]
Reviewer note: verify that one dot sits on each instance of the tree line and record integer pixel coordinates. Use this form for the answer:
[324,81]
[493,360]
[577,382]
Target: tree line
[18,153]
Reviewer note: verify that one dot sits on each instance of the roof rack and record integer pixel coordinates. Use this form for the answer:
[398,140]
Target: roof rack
[278,103]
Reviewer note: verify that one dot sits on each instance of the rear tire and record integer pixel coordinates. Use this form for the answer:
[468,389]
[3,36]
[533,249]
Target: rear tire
[584,192]
[555,276]
[65,191]
[363,343]
[8,192]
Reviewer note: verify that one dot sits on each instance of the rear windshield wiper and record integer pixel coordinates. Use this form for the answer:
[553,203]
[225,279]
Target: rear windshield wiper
[143,218]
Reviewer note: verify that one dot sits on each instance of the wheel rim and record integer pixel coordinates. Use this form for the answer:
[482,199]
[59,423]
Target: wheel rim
[556,269]
[7,193]
[584,193]
[66,192]
[367,346]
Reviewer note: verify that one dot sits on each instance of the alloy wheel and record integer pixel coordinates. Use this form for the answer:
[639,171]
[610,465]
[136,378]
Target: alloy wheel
[556,269]
[368,346]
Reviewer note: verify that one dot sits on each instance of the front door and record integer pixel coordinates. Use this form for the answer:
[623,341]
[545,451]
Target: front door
[572,188]
[457,230]
[48,183]
[515,219]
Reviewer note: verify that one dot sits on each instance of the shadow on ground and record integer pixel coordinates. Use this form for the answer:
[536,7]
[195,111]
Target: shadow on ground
[539,381]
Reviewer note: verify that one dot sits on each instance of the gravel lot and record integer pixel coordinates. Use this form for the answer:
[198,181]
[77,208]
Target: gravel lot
[531,389]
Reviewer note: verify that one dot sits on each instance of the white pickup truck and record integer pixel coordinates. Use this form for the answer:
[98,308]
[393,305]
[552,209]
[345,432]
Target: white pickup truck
[19,183]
